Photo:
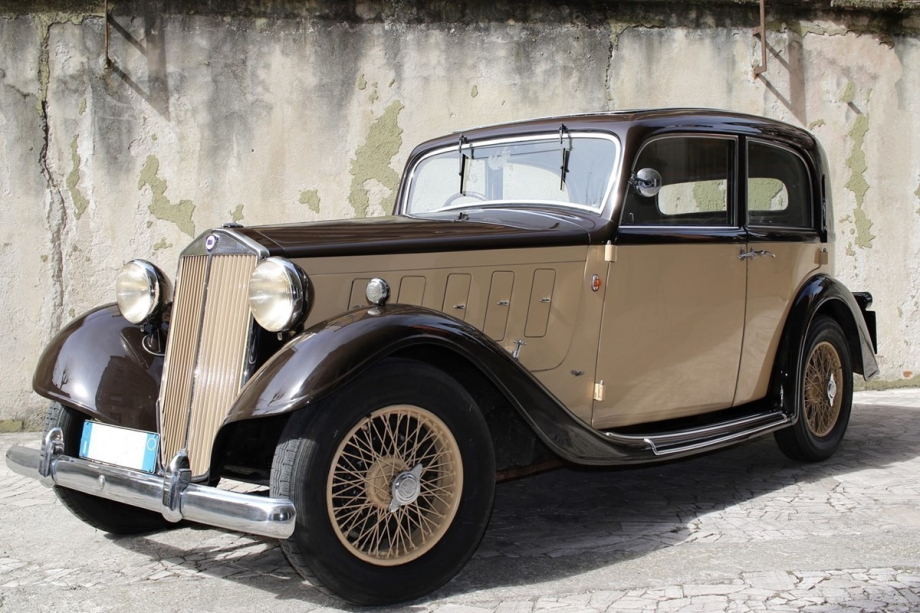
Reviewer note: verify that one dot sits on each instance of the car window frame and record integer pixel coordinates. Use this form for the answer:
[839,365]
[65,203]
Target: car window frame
[612,182]
[791,231]
[733,193]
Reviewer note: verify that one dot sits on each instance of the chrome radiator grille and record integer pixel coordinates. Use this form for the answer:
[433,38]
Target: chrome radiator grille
[206,354]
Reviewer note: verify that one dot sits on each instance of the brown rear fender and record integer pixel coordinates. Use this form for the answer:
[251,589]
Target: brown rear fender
[98,365]
[335,352]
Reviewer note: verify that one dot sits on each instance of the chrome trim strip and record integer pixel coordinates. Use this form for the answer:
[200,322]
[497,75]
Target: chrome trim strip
[656,449]
[237,244]
[252,514]
[730,427]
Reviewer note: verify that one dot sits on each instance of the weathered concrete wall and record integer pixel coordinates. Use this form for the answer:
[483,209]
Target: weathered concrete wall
[261,112]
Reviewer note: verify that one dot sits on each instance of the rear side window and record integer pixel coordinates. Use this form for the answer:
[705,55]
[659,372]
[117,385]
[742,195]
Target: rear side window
[778,188]
[696,183]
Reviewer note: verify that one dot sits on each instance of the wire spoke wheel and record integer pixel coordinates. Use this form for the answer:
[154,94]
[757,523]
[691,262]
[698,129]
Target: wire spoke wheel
[823,396]
[394,485]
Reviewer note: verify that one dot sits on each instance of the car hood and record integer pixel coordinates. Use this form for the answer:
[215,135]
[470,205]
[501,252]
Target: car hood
[482,228]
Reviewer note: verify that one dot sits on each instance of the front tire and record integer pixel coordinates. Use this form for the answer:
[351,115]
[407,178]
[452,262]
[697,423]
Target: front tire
[100,513]
[825,395]
[393,480]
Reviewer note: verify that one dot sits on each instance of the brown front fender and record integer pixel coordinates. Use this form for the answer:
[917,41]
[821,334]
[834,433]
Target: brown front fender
[98,365]
[334,353]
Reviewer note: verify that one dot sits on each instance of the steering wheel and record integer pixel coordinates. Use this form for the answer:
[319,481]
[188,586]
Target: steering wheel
[458,195]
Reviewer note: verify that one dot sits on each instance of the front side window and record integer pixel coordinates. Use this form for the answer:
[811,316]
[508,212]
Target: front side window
[577,171]
[778,188]
[696,183]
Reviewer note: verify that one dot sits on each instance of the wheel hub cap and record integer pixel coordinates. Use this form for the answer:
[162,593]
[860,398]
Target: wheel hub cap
[831,389]
[406,487]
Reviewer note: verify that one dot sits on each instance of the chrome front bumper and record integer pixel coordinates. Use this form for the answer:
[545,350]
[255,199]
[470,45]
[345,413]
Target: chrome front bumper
[172,495]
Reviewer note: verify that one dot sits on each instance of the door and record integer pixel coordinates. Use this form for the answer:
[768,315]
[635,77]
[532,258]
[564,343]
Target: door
[673,315]
[784,251]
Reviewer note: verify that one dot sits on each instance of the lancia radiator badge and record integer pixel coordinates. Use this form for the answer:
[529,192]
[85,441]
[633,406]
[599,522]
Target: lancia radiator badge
[210,242]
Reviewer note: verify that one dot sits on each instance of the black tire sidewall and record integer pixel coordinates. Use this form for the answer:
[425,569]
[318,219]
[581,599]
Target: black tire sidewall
[319,432]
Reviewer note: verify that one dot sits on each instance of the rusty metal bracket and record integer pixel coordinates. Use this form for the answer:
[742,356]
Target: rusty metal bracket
[108,61]
[762,32]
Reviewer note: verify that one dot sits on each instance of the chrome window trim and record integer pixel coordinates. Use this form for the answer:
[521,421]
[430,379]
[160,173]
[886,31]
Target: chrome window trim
[543,136]
[735,216]
[811,191]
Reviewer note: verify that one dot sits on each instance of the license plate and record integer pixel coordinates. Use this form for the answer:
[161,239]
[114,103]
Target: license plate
[120,446]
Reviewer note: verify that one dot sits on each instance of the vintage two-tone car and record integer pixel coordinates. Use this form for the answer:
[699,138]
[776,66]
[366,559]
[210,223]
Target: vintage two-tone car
[605,289]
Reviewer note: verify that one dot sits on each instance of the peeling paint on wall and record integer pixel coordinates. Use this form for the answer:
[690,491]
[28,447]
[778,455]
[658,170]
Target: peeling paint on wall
[160,206]
[857,183]
[817,123]
[311,199]
[162,245]
[80,202]
[82,108]
[372,159]
[237,214]
[474,92]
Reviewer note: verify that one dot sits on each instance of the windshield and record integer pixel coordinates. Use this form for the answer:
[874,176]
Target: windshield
[576,170]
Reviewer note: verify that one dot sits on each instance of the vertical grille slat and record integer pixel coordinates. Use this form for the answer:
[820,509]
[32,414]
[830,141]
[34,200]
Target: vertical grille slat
[205,354]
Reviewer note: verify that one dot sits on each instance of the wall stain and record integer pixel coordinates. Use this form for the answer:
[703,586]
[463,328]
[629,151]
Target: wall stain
[474,92]
[160,206]
[162,245]
[237,214]
[709,196]
[311,199]
[80,202]
[372,159]
[857,184]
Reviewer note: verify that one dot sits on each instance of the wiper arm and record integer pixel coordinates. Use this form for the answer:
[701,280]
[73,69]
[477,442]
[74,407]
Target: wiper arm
[463,158]
[564,169]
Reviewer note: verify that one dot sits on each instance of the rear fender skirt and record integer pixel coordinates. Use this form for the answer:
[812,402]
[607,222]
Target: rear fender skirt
[98,365]
[332,353]
[825,295]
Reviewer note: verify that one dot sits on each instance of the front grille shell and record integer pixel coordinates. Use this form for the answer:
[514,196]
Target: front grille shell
[211,346]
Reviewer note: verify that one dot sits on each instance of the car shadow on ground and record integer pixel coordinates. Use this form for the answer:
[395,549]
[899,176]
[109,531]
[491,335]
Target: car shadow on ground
[587,519]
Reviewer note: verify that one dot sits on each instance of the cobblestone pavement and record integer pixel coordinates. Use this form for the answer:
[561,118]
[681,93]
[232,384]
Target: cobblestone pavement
[739,530]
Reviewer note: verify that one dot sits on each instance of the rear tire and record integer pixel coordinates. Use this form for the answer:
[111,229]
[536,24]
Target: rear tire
[100,513]
[825,395]
[393,479]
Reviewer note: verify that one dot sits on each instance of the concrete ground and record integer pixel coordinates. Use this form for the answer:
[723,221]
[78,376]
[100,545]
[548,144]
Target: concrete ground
[743,529]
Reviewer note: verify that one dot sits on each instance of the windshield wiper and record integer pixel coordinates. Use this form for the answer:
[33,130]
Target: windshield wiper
[564,169]
[463,158]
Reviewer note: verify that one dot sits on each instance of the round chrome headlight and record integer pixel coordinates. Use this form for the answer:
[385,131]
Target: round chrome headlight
[277,294]
[140,290]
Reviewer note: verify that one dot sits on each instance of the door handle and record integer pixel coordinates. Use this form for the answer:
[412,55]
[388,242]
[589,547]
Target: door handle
[746,255]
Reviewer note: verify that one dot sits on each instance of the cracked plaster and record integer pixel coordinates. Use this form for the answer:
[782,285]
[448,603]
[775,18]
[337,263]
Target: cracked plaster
[243,113]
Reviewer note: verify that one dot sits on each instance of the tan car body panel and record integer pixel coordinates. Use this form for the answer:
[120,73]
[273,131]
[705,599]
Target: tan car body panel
[540,296]
[672,332]
[771,285]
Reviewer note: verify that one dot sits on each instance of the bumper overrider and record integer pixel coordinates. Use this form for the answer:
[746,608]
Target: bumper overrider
[171,494]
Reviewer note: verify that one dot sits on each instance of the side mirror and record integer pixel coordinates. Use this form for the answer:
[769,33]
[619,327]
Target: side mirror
[647,182]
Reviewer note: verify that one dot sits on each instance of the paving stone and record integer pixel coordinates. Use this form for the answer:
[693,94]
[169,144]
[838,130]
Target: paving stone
[743,530]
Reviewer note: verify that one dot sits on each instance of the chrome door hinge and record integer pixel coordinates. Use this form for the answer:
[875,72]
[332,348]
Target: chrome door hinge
[599,390]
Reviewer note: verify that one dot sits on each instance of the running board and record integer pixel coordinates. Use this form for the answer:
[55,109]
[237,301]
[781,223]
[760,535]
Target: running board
[716,435]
